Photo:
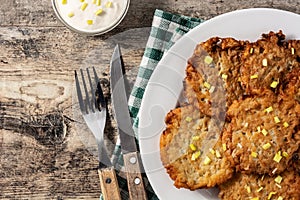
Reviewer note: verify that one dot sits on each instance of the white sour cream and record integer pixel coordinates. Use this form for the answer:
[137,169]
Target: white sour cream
[87,21]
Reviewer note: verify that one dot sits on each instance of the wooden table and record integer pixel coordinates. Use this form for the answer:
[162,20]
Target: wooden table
[42,156]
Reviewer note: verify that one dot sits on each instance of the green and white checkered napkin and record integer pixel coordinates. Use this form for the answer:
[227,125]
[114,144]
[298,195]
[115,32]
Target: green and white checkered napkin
[166,29]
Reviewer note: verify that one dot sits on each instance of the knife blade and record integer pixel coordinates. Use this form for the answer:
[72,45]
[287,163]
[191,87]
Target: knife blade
[131,155]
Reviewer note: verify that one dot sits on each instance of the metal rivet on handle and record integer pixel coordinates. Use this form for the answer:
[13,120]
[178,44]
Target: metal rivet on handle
[137,181]
[132,160]
[108,181]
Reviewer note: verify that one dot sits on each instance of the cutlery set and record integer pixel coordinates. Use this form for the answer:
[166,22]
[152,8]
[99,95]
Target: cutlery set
[93,110]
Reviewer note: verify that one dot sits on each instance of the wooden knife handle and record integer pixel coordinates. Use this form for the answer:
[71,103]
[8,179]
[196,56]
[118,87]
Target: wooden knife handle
[109,184]
[134,177]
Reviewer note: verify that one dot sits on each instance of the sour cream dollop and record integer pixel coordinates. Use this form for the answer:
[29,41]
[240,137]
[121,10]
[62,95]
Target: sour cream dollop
[91,16]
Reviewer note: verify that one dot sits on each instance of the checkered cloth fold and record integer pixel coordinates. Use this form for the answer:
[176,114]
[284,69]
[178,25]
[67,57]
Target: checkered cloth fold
[166,29]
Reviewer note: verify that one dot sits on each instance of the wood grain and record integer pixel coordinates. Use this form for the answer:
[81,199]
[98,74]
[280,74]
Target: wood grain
[134,176]
[109,184]
[42,156]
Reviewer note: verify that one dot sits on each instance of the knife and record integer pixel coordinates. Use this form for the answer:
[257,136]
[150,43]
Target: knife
[131,155]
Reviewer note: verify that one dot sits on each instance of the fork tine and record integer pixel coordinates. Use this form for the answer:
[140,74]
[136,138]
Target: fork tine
[93,105]
[79,94]
[86,92]
[99,90]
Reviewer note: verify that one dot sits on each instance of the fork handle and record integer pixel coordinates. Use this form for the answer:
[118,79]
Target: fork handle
[109,184]
[135,183]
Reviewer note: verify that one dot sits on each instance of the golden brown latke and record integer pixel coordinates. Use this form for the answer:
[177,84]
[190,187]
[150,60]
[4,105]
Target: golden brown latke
[195,90]
[220,73]
[182,153]
[295,161]
[245,186]
[266,61]
[262,127]
[255,85]
[291,85]
[241,67]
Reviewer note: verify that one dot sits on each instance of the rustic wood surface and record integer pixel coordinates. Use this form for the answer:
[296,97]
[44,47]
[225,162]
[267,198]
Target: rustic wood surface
[42,156]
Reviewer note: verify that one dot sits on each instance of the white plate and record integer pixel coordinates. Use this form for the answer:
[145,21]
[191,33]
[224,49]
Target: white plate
[165,85]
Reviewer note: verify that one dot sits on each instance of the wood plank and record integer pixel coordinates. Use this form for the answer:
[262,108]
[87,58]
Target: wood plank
[32,170]
[36,107]
[35,89]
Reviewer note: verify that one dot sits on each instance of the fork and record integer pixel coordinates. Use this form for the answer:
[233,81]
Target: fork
[93,110]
